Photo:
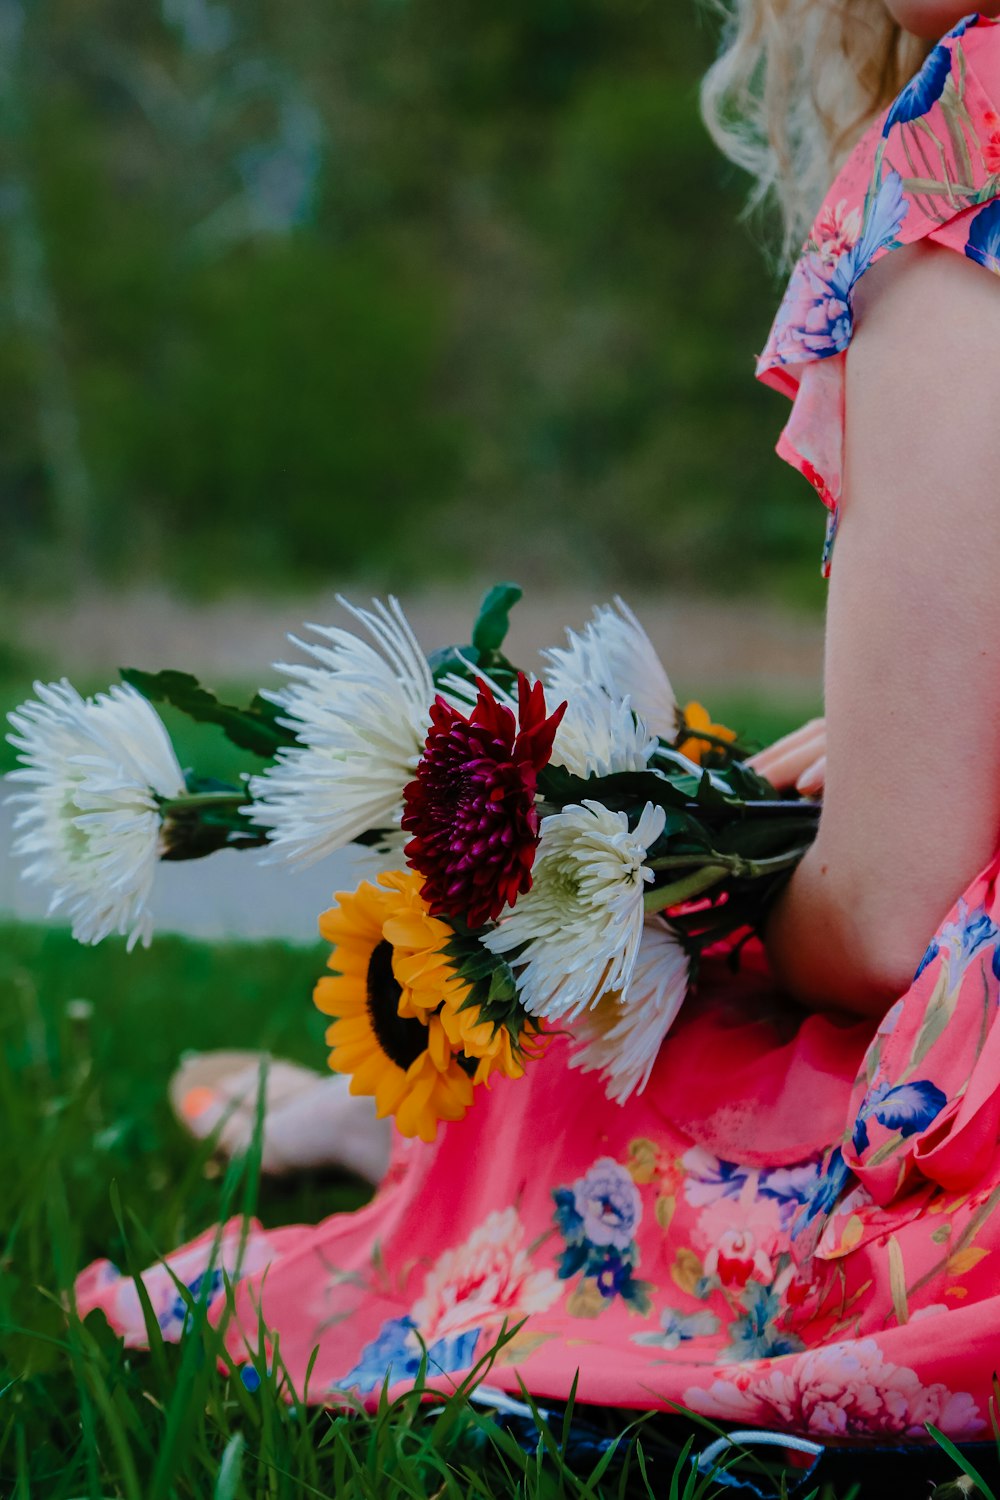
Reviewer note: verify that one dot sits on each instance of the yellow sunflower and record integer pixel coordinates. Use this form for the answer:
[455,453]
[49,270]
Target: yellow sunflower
[431,986]
[403,1060]
[395,997]
[694,745]
[491,1046]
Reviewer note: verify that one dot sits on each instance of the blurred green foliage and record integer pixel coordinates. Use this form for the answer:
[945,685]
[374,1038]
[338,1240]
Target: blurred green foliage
[404,289]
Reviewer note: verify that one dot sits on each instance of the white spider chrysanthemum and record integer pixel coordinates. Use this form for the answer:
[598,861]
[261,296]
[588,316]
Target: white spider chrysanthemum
[621,1035]
[91,823]
[361,715]
[599,736]
[615,654]
[576,933]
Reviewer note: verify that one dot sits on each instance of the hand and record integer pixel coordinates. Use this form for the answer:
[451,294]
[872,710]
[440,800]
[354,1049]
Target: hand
[797,760]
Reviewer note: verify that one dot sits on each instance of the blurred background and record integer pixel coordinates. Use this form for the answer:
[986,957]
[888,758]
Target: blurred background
[384,294]
[389,290]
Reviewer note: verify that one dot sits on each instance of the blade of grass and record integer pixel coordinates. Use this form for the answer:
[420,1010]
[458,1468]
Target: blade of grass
[959,1458]
[230,1469]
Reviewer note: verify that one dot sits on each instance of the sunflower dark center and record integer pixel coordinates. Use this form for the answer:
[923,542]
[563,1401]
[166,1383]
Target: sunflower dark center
[402,1038]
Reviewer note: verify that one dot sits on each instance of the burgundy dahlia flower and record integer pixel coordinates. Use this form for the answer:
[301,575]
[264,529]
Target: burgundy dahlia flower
[471,807]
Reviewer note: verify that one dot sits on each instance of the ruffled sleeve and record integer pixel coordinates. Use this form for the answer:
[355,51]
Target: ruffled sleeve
[927,169]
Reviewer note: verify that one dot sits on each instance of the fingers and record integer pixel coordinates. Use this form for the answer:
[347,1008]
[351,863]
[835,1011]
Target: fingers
[792,743]
[796,754]
[813,779]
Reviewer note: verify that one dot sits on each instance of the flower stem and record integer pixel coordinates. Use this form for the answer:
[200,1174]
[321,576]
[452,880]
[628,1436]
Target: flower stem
[202,802]
[736,864]
[690,861]
[710,870]
[695,884]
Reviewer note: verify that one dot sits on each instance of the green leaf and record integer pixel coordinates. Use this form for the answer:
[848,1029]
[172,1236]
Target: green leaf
[483,655]
[622,791]
[254,728]
[492,987]
[746,783]
[453,661]
[681,834]
[503,990]
[493,621]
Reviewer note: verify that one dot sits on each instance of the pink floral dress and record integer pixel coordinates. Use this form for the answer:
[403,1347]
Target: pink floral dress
[797,1224]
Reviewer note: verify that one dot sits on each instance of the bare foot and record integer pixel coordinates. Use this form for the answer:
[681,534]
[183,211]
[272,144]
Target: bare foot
[310,1119]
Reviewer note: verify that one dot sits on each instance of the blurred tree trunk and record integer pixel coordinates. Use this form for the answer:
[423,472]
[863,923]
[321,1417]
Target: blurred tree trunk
[32,302]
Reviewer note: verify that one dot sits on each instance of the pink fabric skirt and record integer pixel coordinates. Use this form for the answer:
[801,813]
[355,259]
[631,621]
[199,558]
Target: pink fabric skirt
[794,1226]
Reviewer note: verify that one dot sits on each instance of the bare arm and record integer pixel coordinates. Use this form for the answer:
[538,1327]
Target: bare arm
[912,799]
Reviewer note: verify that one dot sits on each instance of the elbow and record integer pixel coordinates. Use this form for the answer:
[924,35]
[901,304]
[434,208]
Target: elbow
[887,928]
[880,969]
[842,975]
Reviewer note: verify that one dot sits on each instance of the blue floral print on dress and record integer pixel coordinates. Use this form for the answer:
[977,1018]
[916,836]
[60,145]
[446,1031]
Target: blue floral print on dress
[816,319]
[922,91]
[177,1318]
[678,1328]
[608,1204]
[826,1190]
[884,218]
[790,1187]
[598,1217]
[926,87]
[708,1178]
[960,941]
[755,1335]
[930,954]
[938,148]
[962,26]
[983,244]
[397,1353]
[906,1107]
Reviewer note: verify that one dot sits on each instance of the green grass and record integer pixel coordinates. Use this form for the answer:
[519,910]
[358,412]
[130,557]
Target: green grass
[91,1162]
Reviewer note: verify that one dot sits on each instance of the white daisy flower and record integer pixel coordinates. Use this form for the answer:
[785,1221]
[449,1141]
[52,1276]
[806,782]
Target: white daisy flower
[576,933]
[615,654]
[361,716]
[91,823]
[621,1035]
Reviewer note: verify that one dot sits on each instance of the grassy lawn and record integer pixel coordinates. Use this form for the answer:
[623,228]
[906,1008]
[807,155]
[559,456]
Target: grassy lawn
[91,1162]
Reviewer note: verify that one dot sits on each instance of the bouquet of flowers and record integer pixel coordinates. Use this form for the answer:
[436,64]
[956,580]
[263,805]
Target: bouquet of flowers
[556,853]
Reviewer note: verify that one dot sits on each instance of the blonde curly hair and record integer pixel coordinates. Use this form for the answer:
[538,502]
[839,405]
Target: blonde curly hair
[794,86]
